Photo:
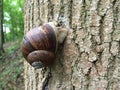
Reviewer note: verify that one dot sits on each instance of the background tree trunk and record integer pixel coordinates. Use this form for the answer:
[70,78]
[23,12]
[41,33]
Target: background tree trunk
[90,56]
[1,28]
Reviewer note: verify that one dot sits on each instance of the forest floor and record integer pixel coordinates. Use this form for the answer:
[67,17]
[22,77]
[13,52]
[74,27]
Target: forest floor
[11,67]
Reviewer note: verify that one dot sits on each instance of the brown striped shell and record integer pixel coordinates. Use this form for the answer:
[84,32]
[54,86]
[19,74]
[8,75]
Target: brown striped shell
[39,45]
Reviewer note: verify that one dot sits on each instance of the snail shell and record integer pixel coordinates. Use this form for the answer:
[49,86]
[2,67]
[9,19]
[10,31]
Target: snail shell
[39,45]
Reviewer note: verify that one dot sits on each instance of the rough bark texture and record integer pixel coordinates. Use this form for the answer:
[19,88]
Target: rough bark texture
[89,59]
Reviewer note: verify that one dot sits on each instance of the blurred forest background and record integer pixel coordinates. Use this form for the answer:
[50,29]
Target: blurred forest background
[11,33]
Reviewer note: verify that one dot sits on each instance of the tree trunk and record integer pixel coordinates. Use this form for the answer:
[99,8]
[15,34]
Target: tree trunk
[1,28]
[89,59]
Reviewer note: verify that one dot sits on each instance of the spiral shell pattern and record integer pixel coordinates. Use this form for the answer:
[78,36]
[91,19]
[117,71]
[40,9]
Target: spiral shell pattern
[40,38]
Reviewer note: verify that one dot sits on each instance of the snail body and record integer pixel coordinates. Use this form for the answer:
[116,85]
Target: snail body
[39,45]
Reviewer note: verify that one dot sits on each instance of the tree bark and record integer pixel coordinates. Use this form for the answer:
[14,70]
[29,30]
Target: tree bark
[89,59]
[1,28]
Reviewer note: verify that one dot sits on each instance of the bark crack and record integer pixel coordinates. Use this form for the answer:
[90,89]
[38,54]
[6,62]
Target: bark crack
[50,10]
[70,12]
[61,13]
[88,79]
[46,82]
[101,29]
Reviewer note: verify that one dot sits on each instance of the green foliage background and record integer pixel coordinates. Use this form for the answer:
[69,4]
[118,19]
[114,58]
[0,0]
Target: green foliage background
[11,61]
[13,19]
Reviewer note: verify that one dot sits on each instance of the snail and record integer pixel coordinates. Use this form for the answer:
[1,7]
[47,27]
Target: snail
[40,44]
